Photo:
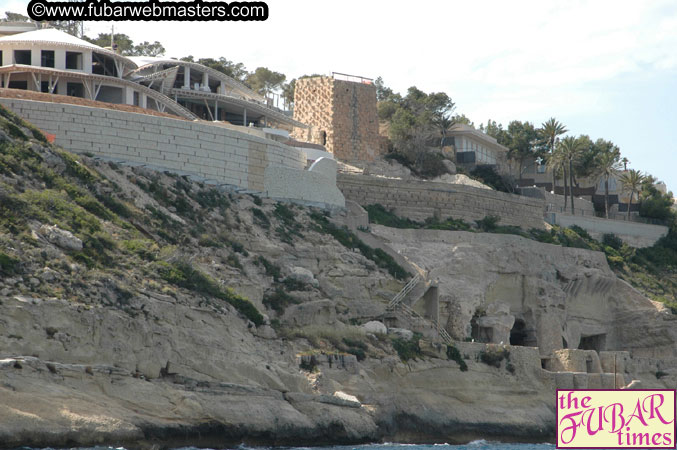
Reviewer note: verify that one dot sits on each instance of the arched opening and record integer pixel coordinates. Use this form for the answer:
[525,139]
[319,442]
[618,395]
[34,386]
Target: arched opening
[518,333]
[595,342]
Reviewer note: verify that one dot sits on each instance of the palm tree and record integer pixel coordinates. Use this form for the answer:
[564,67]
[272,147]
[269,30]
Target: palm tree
[625,162]
[555,163]
[550,129]
[571,148]
[632,182]
[608,163]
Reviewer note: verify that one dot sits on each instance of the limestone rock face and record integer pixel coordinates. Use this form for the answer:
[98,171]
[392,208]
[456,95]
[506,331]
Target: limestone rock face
[450,166]
[374,326]
[401,333]
[535,294]
[168,370]
[61,238]
[499,320]
[318,312]
[303,275]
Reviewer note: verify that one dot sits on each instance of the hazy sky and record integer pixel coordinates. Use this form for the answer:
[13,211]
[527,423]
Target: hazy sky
[604,68]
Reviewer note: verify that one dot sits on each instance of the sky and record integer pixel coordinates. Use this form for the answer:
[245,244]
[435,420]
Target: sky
[607,69]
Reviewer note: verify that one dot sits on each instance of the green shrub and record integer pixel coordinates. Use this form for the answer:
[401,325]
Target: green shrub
[234,261]
[182,274]
[612,241]
[211,198]
[49,206]
[309,364]
[450,224]
[407,349]
[144,248]
[349,240]
[238,248]
[488,223]
[78,170]
[205,240]
[494,355]
[430,165]
[15,131]
[454,355]
[278,300]
[260,218]
[271,269]
[488,175]
[378,214]
[292,284]
[8,265]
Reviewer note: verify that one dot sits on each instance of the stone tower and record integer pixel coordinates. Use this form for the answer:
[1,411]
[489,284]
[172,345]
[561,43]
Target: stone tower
[341,115]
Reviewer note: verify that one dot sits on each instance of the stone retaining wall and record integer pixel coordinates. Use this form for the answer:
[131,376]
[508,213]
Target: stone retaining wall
[419,200]
[211,152]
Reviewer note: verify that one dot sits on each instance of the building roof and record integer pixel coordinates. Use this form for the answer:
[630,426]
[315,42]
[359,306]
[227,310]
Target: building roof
[52,36]
[144,61]
[461,129]
[157,96]
[14,27]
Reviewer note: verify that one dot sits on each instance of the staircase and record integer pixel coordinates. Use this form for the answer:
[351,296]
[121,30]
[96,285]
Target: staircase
[419,285]
[415,288]
[397,299]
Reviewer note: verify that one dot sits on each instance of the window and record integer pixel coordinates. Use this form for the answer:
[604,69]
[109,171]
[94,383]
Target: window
[1,63]
[136,98]
[74,60]
[44,86]
[22,57]
[75,90]
[465,157]
[47,58]
[18,85]
[612,184]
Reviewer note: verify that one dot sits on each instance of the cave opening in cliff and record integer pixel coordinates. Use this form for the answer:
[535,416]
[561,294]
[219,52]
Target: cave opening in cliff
[518,333]
[521,334]
[594,342]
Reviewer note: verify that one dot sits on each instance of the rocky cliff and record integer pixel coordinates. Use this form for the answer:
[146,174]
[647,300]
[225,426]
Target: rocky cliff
[139,308]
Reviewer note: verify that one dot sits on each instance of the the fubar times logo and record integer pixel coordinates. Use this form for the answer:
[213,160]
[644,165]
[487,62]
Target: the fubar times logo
[609,419]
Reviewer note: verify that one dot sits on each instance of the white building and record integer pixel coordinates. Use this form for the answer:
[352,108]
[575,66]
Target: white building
[54,62]
[474,148]
[208,93]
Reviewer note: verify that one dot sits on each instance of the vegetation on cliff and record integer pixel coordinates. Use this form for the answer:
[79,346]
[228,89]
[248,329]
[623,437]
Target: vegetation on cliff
[101,234]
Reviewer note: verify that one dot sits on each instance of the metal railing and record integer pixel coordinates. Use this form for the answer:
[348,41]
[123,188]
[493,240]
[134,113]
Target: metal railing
[431,322]
[397,299]
[564,210]
[396,303]
[353,78]
[600,215]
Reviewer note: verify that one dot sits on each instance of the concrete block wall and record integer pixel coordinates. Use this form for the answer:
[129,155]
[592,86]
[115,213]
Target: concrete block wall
[204,150]
[419,200]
